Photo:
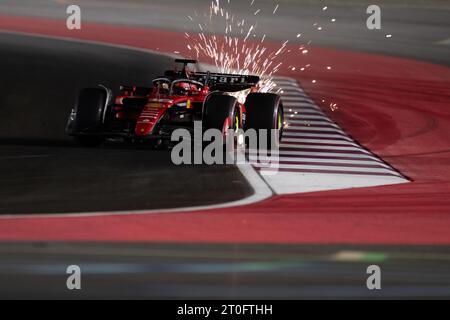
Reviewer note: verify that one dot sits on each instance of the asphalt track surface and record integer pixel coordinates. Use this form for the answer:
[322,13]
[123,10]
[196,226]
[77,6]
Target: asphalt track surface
[42,171]
[409,215]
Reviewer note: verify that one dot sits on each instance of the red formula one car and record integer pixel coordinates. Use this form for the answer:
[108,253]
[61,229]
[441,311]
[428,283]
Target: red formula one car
[176,100]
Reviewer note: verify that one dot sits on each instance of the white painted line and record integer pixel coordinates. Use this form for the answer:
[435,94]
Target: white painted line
[292,95]
[294,91]
[293,98]
[287,86]
[300,103]
[299,117]
[331,155]
[318,147]
[316,135]
[294,88]
[283,84]
[330,168]
[307,117]
[303,109]
[318,161]
[303,128]
[311,114]
[310,122]
[296,99]
[285,81]
[320,141]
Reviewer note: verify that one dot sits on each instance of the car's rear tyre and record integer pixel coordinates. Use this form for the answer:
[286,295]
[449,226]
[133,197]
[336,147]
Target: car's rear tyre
[265,111]
[221,112]
[90,112]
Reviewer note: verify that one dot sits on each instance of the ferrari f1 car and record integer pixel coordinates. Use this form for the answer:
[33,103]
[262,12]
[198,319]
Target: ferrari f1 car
[175,100]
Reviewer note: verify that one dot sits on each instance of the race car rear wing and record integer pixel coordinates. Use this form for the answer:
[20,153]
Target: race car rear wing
[226,82]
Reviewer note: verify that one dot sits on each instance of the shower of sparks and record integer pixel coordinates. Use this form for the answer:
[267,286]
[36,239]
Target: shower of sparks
[276,9]
[232,54]
[241,49]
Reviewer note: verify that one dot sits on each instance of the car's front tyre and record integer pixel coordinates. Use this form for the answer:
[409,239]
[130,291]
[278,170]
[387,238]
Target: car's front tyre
[88,116]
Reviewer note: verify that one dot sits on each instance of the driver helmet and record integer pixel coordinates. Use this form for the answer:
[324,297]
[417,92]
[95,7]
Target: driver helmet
[181,88]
